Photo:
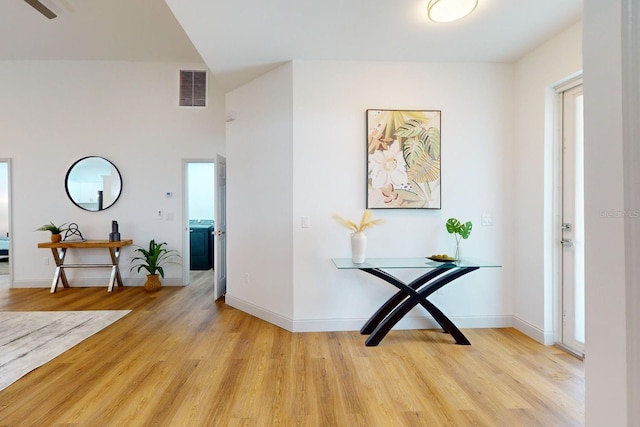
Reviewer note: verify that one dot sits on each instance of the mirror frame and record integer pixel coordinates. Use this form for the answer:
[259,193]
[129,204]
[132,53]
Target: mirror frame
[66,183]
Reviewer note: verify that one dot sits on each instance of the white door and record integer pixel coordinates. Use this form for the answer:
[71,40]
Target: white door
[220,240]
[573,303]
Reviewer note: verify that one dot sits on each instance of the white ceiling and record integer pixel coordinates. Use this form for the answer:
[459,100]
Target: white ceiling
[128,30]
[240,39]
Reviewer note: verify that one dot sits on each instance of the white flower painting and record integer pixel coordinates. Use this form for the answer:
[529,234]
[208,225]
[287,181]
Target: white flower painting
[403,159]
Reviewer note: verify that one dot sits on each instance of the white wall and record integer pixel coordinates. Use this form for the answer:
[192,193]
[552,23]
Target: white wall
[328,177]
[54,112]
[606,342]
[260,197]
[534,77]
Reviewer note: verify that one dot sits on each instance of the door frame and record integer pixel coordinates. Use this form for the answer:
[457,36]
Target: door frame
[9,219]
[555,248]
[186,247]
[220,258]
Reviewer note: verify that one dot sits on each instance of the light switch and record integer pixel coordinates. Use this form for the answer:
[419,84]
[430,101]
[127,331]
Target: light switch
[305,222]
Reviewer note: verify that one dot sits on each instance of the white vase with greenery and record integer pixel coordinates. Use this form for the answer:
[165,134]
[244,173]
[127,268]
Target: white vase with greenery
[358,238]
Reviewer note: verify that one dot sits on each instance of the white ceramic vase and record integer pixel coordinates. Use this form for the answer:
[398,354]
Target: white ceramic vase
[358,247]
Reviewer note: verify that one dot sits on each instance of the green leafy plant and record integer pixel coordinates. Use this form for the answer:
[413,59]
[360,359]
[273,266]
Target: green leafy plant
[54,229]
[367,221]
[154,258]
[460,230]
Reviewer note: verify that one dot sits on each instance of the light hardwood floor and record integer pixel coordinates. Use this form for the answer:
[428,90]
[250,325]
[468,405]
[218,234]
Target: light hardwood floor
[182,359]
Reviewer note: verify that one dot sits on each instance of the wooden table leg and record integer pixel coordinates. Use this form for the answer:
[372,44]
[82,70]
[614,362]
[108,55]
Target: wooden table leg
[115,270]
[58,257]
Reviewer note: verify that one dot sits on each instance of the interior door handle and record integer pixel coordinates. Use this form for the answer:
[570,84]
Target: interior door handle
[566,242]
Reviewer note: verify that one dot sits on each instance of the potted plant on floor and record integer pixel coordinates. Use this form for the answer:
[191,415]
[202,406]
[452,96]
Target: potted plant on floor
[153,259]
[55,231]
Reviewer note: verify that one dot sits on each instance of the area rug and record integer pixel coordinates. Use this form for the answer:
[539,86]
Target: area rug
[29,339]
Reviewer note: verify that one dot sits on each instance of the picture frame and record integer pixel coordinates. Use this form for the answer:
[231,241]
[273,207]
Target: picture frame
[403,159]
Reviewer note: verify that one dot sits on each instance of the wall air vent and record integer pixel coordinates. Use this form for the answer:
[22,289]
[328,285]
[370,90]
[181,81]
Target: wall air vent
[193,88]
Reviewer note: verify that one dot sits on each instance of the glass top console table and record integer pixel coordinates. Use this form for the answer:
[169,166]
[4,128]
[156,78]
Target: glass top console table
[411,294]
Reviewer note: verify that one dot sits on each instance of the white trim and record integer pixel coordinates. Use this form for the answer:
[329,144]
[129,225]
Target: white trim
[30,284]
[570,351]
[568,82]
[92,282]
[354,324]
[558,88]
[556,211]
[408,322]
[186,244]
[9,220]
[259,312]
[543,337]
[186,247]
[631,150]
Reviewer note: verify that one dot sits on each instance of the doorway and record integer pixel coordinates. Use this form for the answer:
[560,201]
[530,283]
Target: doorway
[5,253]
[200,215]
[572,282]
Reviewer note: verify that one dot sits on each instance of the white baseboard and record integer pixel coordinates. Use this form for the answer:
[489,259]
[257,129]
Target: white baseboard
[259,312]
[92,282]
[354,324]
[335,325]
[408,322]
[543,337]
[24,284]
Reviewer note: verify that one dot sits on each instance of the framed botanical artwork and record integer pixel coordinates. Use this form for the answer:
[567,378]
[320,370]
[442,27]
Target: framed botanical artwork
[403,159]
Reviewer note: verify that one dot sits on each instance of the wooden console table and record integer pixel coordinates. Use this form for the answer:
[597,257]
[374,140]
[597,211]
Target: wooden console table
[59,250]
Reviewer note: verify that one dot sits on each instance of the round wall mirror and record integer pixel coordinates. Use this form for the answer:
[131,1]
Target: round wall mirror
[93,183]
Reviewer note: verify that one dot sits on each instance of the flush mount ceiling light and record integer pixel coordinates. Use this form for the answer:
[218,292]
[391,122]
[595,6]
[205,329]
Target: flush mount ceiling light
[450,10]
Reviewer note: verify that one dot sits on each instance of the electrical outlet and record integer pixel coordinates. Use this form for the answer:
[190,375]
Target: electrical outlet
[305,222]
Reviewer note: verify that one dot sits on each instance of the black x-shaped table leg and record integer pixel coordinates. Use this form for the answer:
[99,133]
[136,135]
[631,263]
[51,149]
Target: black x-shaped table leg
[410,295]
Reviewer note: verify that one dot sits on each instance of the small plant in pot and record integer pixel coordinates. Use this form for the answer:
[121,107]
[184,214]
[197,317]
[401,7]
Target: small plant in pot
[153,259]
[460,230]
[55,231]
